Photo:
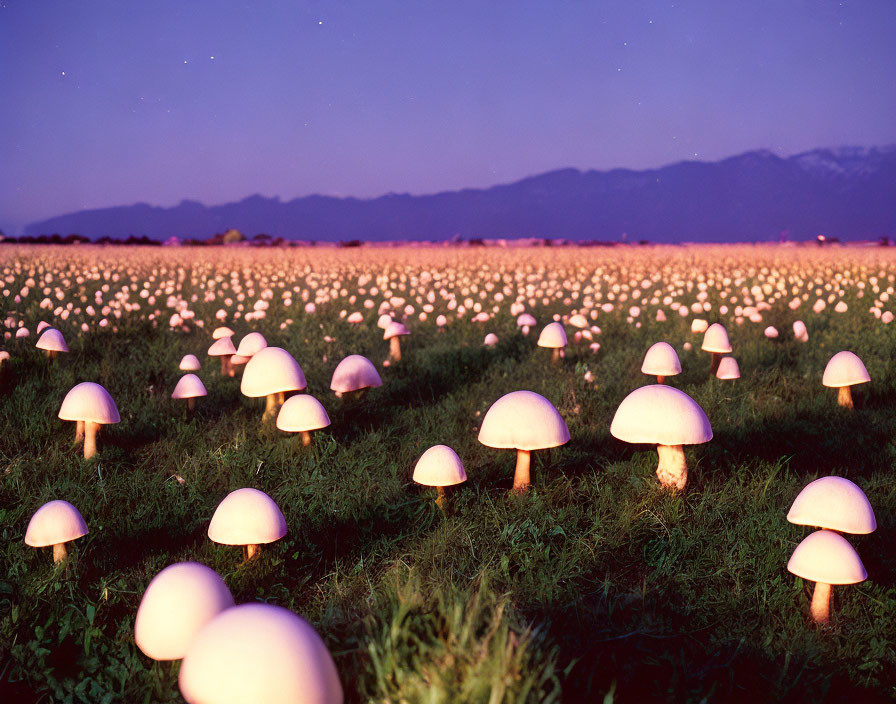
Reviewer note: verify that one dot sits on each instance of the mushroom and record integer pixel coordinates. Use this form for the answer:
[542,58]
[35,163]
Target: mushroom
[491,340]
[178,602]
[247,517]
[190,387]
[302,414]
[90,406]
[523,421]
[439,466]
[715,341]
[190,363]
[222,331]
[354,374]
[728,369]
[553,336]
[800,333]
[668,418]
[578,321]
[223,348]
[826,558]
[271,372]
[834,503]
[661,361]
[844,370]
[4,357]
[698,325]
[249,346]
[393,334]
[258,653]
[55,523]
[525,321]
[51,342]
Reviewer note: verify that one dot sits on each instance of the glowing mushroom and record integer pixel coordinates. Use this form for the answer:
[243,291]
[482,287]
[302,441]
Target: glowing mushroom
[715,341]
[55,523]
[223,348]
[844,370]
[834,503]
[523,421]
[668,418]
[491,340]
[393,334]
[190,363]
[553,336]
[190,387]
[661,361]
[524,322]
[439,466]
[302,414]
[249,346]
[90,406]
[354,374]
[728,369]
[247,517]
[271,372]
[51,342]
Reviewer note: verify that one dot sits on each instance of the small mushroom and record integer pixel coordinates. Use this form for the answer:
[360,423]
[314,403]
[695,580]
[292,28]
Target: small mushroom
[524,322]
[834,503]
[190,363]
[190,387]
[439,466]
[715,341]
[354,375]
[491,340]
[728,369]
[844,370]
[223,348]
[247,517]
[800,333]
[553,336]
[55,523]
[249,346]
[302,414]
[393,334]
[661,361]
[51,342]
[90,406]
[271,372]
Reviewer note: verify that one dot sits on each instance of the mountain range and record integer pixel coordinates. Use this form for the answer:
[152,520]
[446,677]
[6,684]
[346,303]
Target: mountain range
[846,192]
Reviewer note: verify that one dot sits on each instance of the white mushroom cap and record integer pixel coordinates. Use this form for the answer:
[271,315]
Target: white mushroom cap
[222,331]
[247,517]
[827,557]
[190,363]
[42,325]
[716,339]
[251,344]
[771,332]
[441,321]
[222,347]
[844,369]
[270,371]
[699,325]
[439,466]
[660,415]
[302,413]
[53,523]
[523,420]
[384,321]
[355,317]
[52,341]
[189,386]
[578,321]
[491,340]
[525,319]
[799,330]
[728,369]
[835,503]
[661,360]
[353,373]
[259,654]
[22,332]
[394,329]
[553,336]
[89,402]
[178,602]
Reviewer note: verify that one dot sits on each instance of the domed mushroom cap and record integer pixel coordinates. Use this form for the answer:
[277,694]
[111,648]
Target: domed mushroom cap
[189,386]
[190,363]
[251,344]
[844,369]
[835,503]
[222,347]
[353,373]
[355,317]
[53,523]
[222,331]
[52,341]
[523,420]
[827,557]
[178,602]
[728,369]
[578,321]
[491,340]
[259,654]
[660,415]
[716,339]
[89,402]
[394,329]
[525,319]
[247,517]
[553,336]
[439,466]
[384,321]
[270,371]
[42,325]
[661,360]
[302,413]
[22,332]
[699,325]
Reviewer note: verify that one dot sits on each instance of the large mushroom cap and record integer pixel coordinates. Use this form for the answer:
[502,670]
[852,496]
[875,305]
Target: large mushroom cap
[190,363]
[302,413]
[835,503]
[222,347]
[660,415]
[259,654]
[523,420]
[270,371]
[189,386]
[251,344]
[844,369]
[827,557]
[247,517]
[394,329]
[89,402]
[178,602]
[353,373]
[52,341]
[661,360]
[53,523]
[728,369]
[552,336]
[716,339]
[439,466]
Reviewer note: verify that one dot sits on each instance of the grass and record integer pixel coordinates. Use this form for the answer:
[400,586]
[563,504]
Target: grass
[595,586]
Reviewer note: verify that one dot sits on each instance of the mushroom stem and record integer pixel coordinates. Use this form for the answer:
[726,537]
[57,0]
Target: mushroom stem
[821,600]
[79,430]
[844,397]
[90,431]
[521,475]
[395,348]
[224,365]
[672,470]
[191,405]
[716,360]
[555,356]
[59,552]
[441,499]
[51,354]
[660,379]
[252,551]
[270,407]
[306,438]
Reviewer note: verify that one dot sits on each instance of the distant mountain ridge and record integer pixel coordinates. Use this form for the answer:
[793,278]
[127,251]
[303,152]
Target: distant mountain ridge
[848,192]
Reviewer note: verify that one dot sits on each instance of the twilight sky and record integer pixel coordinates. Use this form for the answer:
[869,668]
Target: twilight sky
[109,103]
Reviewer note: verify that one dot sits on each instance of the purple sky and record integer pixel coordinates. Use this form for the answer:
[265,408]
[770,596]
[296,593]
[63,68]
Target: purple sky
[110,103]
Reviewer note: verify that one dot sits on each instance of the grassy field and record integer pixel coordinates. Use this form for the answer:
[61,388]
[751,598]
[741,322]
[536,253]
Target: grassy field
[595,586]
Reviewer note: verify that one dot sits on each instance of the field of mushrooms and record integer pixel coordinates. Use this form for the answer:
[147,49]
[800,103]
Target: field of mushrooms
[456,473]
